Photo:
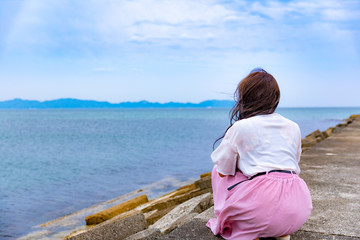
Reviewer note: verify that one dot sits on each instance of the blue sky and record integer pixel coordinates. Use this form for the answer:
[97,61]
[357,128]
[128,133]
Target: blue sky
[179,50]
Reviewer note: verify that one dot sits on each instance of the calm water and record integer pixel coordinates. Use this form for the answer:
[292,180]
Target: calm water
[55,162]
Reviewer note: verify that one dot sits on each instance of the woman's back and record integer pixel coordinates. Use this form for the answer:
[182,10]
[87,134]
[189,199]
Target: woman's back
[259,144]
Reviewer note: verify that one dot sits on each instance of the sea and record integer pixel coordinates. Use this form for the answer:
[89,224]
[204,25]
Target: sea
[54,162]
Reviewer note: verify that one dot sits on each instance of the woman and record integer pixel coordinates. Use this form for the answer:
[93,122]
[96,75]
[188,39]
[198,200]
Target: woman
[256,187]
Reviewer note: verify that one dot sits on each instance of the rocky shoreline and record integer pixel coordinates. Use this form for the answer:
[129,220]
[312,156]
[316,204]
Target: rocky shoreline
[154,218]
[139,218]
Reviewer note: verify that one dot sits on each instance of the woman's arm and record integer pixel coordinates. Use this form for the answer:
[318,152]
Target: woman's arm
[225,155]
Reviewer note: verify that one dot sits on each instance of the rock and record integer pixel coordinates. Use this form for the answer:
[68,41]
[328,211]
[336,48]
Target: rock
[339,127]
[118,227]
[303,149]
[179,191]
[153,216]
[170,202]
[349,120]
[171,220]
[329,132]
[150,206]
[206,215]
[182,190]
[147,234]
[115,210]
[157,209]
[314,134]
[184,219]
[355,116]
[313,138]
[205,175]
[193,230]
[203,183]
[308,142]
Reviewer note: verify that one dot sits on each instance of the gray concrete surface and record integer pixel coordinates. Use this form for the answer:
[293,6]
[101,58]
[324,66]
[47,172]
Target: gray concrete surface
[147,234]
[332,171]
[193,230]
[116,228]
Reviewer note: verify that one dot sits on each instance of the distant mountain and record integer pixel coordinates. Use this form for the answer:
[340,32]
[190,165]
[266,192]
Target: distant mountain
[76,103]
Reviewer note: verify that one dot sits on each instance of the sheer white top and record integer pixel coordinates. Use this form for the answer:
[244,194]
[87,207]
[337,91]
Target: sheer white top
[259,144]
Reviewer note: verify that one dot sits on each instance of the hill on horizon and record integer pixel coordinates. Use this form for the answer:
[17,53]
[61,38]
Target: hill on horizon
[77,103]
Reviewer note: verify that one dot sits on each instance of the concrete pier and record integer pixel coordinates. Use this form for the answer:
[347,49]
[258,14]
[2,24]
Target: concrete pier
[331,169]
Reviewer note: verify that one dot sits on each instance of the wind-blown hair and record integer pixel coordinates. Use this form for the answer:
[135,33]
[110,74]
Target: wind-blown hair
[257,94]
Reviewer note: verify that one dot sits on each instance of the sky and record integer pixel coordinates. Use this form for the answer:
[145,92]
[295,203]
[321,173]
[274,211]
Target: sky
[179,50]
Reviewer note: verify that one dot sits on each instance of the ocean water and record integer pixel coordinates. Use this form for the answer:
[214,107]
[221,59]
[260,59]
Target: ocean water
[55,162]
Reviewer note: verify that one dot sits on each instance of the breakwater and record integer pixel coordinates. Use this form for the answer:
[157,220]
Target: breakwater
[327,163]
[58,162]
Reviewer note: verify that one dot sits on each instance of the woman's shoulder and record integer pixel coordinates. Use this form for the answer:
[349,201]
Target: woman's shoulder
[242,123]
[265,119]
[259,120]
[289,124]
[245,125]
[287,121]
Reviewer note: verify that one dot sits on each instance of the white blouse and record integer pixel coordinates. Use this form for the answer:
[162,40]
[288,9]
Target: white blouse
[259,144]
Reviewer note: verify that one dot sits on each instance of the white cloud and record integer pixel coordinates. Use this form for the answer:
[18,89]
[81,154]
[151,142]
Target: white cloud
[340,15]
[145,19]
[241,24]
[318,10]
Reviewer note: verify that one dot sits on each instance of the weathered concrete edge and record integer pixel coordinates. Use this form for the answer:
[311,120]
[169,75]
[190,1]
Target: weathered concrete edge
[111,212]
[318,138]
[119,227]
[196,229]
[305,235]
[310,140]
[171,200]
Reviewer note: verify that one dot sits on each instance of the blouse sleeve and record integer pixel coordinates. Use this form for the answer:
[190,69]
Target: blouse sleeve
[299,150]
[226,155]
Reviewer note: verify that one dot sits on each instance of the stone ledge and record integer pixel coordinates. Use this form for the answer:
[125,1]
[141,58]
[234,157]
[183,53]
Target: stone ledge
[147,234]
[197,230]
[193,230]
[305,235]
[315,137]
[355,116]
[181,214]
[206,215]
[119,227]
[115,210]
[192,225]
[173,201]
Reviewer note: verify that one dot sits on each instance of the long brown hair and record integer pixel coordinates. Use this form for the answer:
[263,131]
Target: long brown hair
[256,94]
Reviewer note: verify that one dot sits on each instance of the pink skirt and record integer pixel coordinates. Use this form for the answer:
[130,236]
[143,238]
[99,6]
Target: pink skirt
[270,205]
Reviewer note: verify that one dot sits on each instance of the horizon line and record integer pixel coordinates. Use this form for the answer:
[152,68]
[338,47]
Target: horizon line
[147,101]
